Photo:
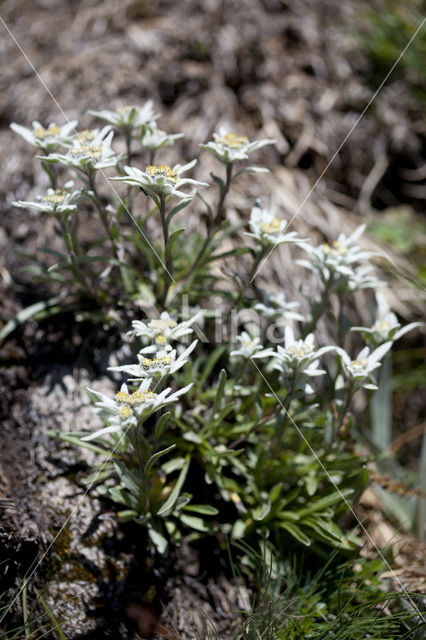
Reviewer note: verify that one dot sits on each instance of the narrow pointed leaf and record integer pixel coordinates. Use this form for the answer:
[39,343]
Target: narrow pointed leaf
[168,506]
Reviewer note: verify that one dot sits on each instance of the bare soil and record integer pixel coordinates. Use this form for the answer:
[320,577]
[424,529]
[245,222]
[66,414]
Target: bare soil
[291,70]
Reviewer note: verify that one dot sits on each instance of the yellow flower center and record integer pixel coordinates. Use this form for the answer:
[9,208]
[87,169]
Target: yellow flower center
[299,350]
[80,151]
[232,141]
[336,250]
[382,325]
[163,171]
[122,396]
[85,136]
[158,133]
[160,339]
[137,397]
[126,412]
[55,198]
[149,363]
[273,226]
[126,109]
[158,324]
[42,133]
[359,364]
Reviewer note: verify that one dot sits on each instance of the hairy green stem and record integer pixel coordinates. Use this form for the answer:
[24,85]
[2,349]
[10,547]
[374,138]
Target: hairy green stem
[102,214]
[212,226]
[128,135]
[257,425]
[104,219]
[77,271]
[347,397]
[168,254]
[279,434]
[253,271]
[50,169]
[129,197]
[142,469]
[220,207]
[197,260]
[340,327]
[320,310]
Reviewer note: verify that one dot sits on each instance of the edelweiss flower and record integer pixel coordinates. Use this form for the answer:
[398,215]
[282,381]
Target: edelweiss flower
[127,409]
[129,117]
[276,306]
[90,150]
[338,258]
[386,326]
[56,201]
[161,180]
[48,139]
[362,277]
[268,229]
[153,138]
[300,354]
[247,346]
[230,147]
[362,367]
[164,329]
[297,360]
[163,363]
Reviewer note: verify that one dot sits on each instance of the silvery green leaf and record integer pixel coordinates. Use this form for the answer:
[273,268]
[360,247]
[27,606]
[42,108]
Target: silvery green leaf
[204,509]
[296,532]
[168,506]
[156,456]
[156,534]
[193,522]
[260,513]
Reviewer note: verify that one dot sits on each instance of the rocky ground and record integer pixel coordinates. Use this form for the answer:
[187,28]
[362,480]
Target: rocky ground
[291,70]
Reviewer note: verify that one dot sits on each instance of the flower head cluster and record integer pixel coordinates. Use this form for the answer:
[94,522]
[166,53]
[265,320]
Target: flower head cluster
[362,277]
[229,147]
[297,361]
[163,330]
[56,201]
[163,172]
[386,326]
[154,138]
[275,307]
[359,371]
[129,117]
[49,138]
[162,363]
[247,346]
[161,180]
[338,261]
[127,408]
[267,229]
[90,150]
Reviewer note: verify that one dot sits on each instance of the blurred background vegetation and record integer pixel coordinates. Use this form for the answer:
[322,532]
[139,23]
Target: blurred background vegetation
[301,71]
